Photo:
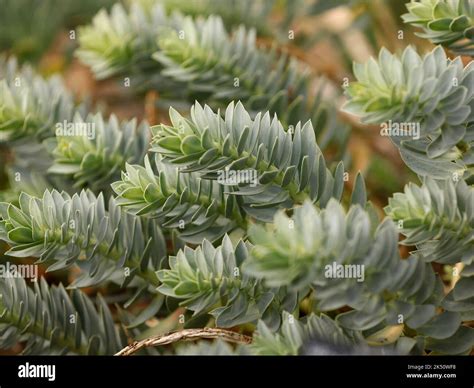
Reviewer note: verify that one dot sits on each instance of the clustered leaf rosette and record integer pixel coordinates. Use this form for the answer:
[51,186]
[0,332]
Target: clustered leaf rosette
[209,280]
[52,322]
[219,67]
[122,40]
[63,230]
[432,93]
[446,22]
[438,218]
[93,151]
[289,166]
[294,337]
[301,251]
[195,207]
[29,104]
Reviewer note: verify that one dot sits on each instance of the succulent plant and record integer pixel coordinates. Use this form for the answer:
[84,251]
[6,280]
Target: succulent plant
[424,104]
[448,23]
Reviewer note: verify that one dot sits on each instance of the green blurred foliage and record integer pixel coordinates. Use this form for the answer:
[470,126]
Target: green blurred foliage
[28,27]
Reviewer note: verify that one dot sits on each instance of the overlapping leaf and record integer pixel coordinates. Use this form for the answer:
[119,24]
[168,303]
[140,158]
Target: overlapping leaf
[426,105]
[196,58]
[294,335]
[50,321]
[350,261]
[122,40]
[30,105]
[446,22]
[62,231]
[197,208]
[209,280]
[287,168]
[94,151]
[438,218]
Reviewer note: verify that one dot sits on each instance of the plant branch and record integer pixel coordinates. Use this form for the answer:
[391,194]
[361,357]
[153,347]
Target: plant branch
[186,335]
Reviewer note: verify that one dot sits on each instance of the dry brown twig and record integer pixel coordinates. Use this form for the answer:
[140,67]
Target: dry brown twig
[186,335]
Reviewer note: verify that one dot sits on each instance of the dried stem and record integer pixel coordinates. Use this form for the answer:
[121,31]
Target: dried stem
[186,335]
